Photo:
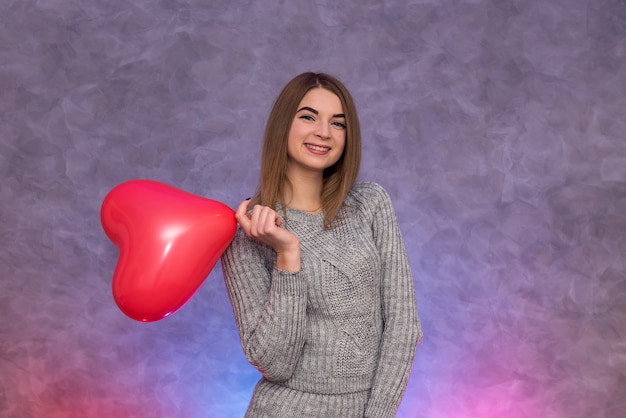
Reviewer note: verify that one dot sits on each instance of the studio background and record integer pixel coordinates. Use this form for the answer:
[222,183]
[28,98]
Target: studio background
[497,126]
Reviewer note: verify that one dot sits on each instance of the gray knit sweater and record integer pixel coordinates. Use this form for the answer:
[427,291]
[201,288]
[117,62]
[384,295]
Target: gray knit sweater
[337,338]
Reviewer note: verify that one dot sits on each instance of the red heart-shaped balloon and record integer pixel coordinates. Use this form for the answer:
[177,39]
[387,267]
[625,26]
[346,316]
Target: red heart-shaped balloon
[169,240]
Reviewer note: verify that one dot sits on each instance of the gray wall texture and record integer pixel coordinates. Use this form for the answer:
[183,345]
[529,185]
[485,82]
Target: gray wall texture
[498,127]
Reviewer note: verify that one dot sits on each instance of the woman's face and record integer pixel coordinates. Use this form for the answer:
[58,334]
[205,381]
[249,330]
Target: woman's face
[318,133]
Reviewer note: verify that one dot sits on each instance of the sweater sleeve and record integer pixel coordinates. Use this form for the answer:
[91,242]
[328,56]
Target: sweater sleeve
[402,330]
[269,306]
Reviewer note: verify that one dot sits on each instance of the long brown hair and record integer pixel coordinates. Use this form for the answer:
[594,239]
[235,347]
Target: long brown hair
[339,178]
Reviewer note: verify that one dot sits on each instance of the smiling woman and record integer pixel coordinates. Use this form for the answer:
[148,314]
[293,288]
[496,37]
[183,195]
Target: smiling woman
[317,274]
[316,139]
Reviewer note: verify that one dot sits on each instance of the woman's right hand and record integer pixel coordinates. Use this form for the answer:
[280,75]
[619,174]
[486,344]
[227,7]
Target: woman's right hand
[264,225]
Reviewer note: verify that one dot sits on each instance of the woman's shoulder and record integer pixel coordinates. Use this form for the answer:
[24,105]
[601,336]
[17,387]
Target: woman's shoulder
[368,190]
[367,196]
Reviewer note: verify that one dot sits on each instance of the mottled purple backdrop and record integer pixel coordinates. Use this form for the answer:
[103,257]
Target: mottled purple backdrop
[498,127]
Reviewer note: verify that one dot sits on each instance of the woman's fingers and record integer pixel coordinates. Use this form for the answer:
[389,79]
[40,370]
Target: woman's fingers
[264,225]
[242,209]
[263,221]
[242,215]
[260,221]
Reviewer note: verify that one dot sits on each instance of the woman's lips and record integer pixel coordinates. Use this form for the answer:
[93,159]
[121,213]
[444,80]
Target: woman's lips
[317,148]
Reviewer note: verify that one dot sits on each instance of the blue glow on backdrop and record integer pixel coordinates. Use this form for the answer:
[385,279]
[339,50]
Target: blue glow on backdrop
[496,126]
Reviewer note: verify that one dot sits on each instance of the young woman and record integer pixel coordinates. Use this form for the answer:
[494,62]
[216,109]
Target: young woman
[317,274]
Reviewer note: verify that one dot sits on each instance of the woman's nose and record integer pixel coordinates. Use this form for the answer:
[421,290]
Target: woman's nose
[323,130]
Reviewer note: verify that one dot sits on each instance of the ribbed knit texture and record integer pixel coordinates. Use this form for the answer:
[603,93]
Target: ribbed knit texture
[337,338]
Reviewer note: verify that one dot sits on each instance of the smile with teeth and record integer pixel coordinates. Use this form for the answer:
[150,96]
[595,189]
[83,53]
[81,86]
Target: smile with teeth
[317,148]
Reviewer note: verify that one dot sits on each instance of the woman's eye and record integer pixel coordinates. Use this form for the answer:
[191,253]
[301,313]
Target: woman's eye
[339,125]
[306,117]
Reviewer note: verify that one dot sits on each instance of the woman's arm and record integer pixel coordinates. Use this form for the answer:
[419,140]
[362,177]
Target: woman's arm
[402,331]
[269,302]
[269,306]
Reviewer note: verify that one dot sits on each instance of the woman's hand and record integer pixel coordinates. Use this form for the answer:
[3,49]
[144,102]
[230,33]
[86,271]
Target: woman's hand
[264,225]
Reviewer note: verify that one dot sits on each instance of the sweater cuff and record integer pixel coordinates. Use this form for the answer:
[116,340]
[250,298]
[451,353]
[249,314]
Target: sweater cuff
[288,282]
[380,411]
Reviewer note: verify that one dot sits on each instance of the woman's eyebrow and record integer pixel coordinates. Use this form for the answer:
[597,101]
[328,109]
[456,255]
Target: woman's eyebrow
[315,112]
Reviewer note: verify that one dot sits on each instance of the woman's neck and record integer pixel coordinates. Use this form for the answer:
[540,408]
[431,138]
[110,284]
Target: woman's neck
[304,192]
